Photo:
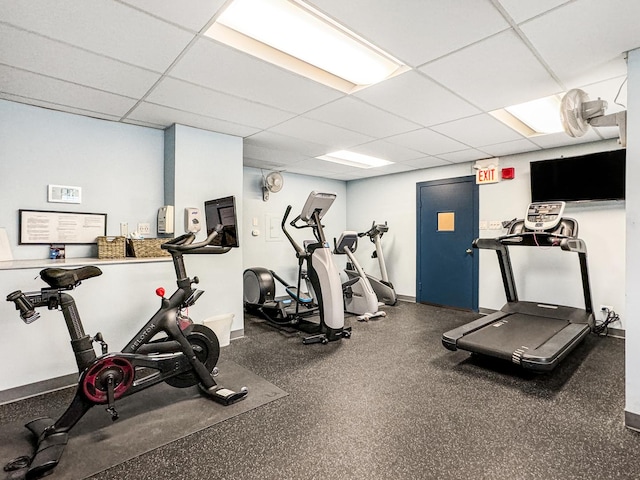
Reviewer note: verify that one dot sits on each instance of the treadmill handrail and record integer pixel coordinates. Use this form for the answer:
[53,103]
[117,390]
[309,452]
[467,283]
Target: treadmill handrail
[533,239]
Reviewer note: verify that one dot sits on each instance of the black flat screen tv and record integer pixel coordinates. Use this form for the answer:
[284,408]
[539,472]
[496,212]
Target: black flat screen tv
[222,211]
[597,176]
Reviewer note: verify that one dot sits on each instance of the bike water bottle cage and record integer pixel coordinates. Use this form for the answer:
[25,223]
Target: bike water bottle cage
[68,278]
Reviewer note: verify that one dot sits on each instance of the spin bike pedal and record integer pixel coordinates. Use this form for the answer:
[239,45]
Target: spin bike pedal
[224,396]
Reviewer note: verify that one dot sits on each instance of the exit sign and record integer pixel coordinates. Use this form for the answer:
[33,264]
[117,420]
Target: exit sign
[487,175]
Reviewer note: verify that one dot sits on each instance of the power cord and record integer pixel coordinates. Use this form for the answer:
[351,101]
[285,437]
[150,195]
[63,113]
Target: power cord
[602,329]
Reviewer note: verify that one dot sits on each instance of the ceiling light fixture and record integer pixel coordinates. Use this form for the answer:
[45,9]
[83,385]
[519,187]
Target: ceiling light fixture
[354,159]
[270,28]
[537,117]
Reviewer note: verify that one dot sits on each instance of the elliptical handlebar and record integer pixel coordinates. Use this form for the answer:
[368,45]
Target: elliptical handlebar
[300,252]
[184,243]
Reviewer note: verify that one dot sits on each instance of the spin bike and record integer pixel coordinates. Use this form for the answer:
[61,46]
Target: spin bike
[185,356]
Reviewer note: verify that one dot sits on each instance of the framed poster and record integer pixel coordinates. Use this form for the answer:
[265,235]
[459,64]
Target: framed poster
[41,227]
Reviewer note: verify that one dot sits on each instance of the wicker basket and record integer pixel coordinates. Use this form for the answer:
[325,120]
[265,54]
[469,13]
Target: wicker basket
[148,247]
[112,247]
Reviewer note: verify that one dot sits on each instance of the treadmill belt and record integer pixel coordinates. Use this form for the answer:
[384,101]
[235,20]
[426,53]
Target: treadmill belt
[504,336]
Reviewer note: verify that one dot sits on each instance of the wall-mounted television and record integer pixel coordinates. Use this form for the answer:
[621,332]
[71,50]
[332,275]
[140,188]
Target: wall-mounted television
[222,211]
[597,176]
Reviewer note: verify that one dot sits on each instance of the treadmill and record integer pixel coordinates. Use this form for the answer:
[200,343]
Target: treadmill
[536,336]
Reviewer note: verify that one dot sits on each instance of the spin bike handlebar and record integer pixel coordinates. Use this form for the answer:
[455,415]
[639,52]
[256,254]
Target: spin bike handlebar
[184,244]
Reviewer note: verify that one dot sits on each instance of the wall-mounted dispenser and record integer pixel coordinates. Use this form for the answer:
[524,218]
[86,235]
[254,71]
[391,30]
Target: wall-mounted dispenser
[192,219]
[165,219]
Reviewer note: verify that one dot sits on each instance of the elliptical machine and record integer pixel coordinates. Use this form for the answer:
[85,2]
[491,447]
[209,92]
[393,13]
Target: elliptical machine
[382,287]
[323,276]
[359,297]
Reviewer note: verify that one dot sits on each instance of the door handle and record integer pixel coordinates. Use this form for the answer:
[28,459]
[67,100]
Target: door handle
[469,251]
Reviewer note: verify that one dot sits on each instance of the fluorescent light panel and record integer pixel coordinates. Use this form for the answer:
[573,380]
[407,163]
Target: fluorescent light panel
[542,115]
[537,117]
[354,159]
[304,33]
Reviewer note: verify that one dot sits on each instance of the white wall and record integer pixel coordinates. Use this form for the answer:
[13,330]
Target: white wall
[632,333]
[277,253]
[602,226]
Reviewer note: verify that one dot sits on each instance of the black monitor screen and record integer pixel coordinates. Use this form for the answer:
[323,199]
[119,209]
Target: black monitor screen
[598,176]
[222,211]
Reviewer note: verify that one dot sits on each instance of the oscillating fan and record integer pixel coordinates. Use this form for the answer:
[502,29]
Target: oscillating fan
[578,113]
[272,183]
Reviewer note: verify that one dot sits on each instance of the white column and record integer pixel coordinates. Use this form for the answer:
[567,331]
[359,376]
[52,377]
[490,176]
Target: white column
[632,334]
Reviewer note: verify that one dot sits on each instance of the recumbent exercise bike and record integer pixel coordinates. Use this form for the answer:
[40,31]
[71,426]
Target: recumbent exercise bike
[186,356]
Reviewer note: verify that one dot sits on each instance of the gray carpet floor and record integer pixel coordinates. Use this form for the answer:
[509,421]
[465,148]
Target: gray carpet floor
[391,402]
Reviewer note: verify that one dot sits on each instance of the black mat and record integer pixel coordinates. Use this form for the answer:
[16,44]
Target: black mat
[149,419]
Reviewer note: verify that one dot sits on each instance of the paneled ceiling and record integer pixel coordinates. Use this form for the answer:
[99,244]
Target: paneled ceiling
[147,62]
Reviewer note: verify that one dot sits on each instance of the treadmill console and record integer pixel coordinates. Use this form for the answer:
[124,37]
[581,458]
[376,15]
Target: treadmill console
[543,215]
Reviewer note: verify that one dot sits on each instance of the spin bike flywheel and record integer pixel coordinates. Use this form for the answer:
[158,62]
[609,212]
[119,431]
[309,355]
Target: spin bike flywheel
[207,349]
[95,380]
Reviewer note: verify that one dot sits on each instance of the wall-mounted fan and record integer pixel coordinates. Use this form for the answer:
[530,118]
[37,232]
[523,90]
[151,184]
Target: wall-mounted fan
[272,183]
[578,113]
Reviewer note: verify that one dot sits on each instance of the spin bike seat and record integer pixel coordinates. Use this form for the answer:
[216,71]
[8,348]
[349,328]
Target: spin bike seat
[68,277]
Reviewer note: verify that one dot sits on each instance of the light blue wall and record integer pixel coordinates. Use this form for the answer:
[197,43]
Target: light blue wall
[119,168]
[602,226]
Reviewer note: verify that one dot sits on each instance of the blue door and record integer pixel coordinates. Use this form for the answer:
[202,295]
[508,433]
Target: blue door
[447,266]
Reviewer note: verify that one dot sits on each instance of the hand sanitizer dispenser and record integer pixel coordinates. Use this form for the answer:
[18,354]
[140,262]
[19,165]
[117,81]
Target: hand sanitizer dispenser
[192,219]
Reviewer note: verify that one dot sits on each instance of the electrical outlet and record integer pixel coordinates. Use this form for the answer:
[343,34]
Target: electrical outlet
[144,228]
[124,229]
[605,308]
[495,225]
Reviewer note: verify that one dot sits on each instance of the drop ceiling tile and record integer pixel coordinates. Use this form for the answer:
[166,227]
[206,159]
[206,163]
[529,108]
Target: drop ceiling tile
[387,151]
[583,35]
[322,133]
[305,170]
[315,164]
[426,162]
[359,116]
[464,156]
[191,15]
[521,11]
[64,94]
[192,98]
[272,155]
[427,141]
[417,98]
[416,31]
[478,131]
[250,162]
[55,106]
[38,54]
[227,70]
[277,141]
[561,139]
[495,73]
[510,148]
[108,28]
[345,177]
[611,70]
[386,170]
[166,116]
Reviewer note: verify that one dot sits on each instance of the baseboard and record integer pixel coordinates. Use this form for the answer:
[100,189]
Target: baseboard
[45,386]
[235,334]
[38,388]
[632,421]
[406,298]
